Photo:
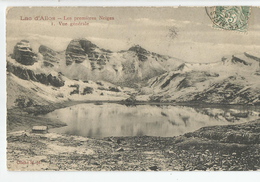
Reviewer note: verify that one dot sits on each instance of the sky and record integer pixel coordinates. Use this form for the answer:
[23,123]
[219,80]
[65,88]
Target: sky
[195,39]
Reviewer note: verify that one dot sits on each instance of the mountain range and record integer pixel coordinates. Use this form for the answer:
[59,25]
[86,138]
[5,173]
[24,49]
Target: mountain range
[232,80]
[85,71]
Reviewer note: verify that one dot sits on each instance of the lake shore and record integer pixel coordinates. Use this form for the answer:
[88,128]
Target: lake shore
[24,118]
[225,148]
[44,109]
[220,148]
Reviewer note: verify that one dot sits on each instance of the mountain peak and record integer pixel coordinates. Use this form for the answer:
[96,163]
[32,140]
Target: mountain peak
[77,50]
[138,49]
[23,53]
[83,42]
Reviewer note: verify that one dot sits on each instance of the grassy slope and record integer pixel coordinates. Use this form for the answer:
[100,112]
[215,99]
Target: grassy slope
[15,90]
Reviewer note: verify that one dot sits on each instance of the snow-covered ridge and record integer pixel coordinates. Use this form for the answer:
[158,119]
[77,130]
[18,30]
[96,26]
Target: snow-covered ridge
[86,61]
[233,80]
[38,83]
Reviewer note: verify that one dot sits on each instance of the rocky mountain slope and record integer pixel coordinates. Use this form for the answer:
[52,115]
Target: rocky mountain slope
[85,68]
[32,82]
[23,53]
[233,80]
[125,68]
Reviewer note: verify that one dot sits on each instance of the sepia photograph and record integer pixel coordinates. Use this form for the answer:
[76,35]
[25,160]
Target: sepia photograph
[133,88]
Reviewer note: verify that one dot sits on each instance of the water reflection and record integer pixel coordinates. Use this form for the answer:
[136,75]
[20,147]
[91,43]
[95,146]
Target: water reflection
[108,119]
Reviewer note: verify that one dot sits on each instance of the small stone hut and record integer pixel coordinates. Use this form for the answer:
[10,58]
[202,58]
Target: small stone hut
[40,129]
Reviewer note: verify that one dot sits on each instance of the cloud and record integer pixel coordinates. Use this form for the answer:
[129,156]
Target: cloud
[109,43]
[195,41]
[161,22]
[206,51]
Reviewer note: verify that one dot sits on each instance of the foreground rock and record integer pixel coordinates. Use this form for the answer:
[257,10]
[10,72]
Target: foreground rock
[189,152]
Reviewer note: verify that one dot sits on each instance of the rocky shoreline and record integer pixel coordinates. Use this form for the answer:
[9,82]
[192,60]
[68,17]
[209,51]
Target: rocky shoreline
[215,148]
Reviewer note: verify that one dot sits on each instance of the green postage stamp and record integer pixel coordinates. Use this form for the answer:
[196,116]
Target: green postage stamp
[229,17]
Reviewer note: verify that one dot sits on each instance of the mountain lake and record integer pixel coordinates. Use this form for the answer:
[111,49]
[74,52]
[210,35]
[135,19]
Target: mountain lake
[112,119]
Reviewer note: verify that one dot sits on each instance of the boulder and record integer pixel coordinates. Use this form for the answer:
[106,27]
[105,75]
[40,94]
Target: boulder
[120,149]
[153,168]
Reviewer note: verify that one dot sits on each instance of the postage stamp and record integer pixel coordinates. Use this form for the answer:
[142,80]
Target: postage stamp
[229,17]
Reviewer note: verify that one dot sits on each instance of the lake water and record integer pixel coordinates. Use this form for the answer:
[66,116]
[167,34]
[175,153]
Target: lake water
[110,119]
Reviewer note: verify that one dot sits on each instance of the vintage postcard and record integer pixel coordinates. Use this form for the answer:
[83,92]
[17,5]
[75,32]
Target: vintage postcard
[133,88]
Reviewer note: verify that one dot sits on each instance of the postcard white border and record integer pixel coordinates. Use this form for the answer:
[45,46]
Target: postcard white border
[104,176]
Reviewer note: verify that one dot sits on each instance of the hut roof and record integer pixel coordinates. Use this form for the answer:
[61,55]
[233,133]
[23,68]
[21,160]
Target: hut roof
[40,128]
